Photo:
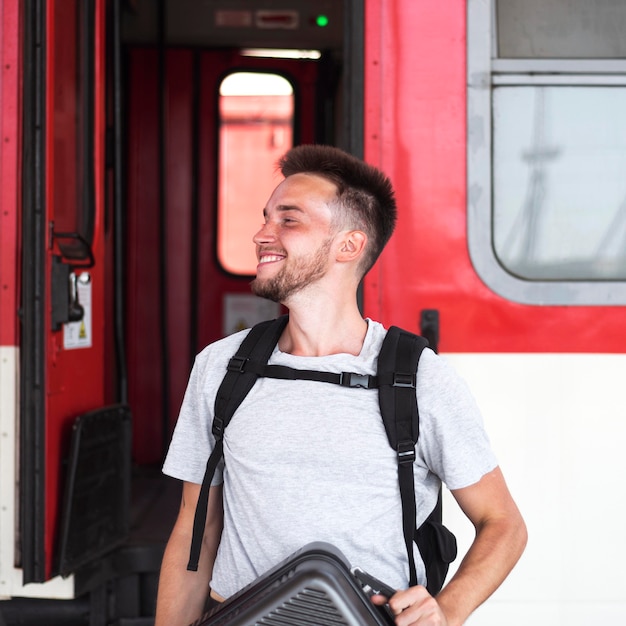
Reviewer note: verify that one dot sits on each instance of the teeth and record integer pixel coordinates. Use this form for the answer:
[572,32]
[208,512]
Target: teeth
[268,258]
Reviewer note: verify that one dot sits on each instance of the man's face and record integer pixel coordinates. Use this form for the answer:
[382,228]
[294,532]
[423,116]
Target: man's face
[293,246]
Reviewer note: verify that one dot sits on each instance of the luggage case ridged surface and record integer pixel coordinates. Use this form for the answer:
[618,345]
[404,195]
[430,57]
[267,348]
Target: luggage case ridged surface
[313,587]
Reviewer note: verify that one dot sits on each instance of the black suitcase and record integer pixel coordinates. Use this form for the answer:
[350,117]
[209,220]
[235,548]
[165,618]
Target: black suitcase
[313,587]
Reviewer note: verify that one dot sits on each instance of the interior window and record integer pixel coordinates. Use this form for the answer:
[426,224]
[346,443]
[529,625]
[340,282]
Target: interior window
[256,111]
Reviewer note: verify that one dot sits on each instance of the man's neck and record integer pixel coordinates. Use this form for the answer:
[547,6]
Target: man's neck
[323,332]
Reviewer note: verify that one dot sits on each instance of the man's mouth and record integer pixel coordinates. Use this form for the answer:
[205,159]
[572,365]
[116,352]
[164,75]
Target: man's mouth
[270,258]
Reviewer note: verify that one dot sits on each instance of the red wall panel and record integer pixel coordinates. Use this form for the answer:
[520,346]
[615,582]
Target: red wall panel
[9,170]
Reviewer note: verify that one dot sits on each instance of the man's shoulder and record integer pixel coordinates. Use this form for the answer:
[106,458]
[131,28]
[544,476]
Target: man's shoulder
[224,347]
[373,339]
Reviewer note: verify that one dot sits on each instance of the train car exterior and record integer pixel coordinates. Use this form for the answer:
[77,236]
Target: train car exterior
[500,125]
[544,350]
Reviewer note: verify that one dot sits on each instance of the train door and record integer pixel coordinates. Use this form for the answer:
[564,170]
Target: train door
[63,303]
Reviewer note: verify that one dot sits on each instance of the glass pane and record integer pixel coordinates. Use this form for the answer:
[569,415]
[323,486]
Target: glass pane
[73,127]
[559,194]
[256,128]
[557,29]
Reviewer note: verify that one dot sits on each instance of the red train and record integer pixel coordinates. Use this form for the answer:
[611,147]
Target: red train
[138,147]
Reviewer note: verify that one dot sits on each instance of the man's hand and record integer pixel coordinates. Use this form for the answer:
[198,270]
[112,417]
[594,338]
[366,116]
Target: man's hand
[413,607]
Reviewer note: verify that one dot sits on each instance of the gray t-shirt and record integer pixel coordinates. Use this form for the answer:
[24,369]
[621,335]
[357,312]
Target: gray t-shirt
[310,461]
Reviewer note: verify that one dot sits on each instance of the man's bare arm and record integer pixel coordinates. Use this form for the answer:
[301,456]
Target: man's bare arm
[499,542]
[182,594]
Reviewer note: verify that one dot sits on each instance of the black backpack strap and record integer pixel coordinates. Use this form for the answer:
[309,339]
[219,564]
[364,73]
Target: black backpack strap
[397,368]
[237,382]
[282,372]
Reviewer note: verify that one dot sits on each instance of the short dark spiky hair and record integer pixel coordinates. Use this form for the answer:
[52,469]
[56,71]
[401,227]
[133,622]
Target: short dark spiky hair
[365,195]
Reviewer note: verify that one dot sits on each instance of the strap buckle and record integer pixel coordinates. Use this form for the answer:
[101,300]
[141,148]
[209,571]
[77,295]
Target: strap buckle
[350,379]
[403,380]
[237,364]
[406,451]
[218,427]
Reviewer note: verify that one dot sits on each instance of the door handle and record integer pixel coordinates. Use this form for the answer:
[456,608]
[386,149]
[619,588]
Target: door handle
[429,327]
[64,294]
[75,311]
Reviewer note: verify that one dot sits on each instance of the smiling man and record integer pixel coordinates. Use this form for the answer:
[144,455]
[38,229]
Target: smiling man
[304,461]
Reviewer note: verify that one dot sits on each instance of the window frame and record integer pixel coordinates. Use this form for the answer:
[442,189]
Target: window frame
[485,70]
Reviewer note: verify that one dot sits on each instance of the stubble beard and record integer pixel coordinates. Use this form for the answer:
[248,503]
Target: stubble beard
[292,279]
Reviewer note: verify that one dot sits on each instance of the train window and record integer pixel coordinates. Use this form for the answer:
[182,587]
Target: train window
[555,29]
[256,113]
[559,191]
[545,157]
[72,149]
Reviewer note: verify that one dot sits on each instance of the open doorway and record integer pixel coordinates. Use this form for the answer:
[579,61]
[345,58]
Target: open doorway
[210,93]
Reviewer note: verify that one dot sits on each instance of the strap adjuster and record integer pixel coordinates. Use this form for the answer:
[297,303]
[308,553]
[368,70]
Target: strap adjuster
[218,427]
[237,364]
[406,451]
[403,380]
[350,379]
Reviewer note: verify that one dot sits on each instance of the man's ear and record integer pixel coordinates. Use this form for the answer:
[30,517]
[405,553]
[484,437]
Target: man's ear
[351,246]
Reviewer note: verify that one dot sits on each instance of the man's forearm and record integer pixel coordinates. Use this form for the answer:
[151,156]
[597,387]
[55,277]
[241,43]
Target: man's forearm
[182,594]
[496,549]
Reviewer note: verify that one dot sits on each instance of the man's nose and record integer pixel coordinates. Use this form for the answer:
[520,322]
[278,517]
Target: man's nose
[264,234]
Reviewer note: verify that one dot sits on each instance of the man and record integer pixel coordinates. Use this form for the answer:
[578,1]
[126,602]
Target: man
[305,461]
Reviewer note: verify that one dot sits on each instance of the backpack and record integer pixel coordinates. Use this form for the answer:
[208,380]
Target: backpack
[396,382]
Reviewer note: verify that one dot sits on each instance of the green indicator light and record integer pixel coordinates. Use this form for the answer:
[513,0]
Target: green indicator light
[322,20]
